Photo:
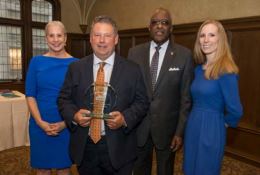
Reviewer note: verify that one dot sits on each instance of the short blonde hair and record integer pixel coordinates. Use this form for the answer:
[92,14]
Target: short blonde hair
[55,23]
[224,62]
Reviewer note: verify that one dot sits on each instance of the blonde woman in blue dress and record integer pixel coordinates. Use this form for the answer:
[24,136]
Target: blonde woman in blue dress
[49,136]
[216,101]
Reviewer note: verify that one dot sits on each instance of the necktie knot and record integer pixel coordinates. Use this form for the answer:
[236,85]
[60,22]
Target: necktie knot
[157,48]
[100,74]
[102,64]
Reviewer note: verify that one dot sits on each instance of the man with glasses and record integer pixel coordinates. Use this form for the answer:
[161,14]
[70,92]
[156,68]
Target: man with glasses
[168,71]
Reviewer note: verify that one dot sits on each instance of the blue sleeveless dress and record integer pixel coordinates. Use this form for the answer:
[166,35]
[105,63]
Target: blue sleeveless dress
[44,80]
[215,103]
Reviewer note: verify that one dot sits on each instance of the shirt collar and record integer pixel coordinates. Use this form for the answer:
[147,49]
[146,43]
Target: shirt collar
[110,60]
[163,46]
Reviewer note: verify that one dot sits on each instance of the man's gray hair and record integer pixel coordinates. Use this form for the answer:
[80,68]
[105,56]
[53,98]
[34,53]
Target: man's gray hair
[105,19]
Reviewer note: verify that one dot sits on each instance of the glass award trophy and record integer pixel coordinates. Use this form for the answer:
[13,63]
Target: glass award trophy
[100,98]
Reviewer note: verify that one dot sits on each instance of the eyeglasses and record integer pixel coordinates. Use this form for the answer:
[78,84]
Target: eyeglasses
[163,22]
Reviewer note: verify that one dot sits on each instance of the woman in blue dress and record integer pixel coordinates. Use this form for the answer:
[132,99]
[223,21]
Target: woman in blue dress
[49,137]
[216,101]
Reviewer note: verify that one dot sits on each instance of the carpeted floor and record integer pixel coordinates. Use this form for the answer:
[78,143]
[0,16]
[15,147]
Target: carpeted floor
[16,162]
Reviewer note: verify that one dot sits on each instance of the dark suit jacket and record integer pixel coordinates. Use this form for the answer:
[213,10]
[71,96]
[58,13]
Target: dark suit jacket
[170,101]
[132,102]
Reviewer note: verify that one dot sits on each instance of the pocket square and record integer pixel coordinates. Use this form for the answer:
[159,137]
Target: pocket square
[174,69]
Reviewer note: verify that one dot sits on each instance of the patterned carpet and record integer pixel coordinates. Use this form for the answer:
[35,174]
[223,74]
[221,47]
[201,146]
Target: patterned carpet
[16,162]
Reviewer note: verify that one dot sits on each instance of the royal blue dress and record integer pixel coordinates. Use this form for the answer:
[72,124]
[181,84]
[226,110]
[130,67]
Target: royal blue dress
[215,103]
[44,79]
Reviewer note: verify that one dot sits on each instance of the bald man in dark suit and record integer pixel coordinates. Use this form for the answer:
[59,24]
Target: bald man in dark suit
[169,95]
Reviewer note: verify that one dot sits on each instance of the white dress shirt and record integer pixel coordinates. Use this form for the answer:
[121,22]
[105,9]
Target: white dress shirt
[108,67]
[162,52]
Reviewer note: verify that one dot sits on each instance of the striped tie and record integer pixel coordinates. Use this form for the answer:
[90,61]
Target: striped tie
[154,66]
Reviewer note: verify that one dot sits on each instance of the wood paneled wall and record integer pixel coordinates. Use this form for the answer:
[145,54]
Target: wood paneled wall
[78,45]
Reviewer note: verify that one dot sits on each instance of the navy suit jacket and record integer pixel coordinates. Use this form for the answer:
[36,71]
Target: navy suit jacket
[132,102]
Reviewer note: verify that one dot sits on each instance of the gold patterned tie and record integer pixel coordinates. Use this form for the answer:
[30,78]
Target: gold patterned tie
[95,125]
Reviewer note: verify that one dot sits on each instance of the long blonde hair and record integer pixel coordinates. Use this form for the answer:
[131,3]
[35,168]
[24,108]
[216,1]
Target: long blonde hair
[224,62]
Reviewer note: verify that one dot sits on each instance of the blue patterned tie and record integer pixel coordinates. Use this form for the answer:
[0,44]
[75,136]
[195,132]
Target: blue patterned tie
[154,65]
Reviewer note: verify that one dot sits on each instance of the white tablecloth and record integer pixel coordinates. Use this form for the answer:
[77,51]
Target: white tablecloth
[14,116]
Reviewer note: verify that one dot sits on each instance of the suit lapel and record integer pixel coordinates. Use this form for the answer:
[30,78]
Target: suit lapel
[88,70]
[146,63]
[116,71]
[87,73]
[114,79]
[168,57]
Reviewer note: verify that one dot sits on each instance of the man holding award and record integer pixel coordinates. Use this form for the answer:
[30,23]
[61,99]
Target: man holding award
[102,100]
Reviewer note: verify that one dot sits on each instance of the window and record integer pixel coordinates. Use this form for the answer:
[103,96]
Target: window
[41,12]
[22,34]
